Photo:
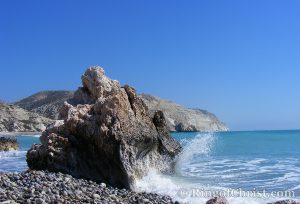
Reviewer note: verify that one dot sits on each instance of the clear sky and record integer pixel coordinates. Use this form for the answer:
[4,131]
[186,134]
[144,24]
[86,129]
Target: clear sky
[237,59]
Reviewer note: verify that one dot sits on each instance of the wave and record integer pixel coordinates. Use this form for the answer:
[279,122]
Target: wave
[13,161]
[158,183]
[11,154]
[198,168]
[295,188]
[30,135]
[200,146]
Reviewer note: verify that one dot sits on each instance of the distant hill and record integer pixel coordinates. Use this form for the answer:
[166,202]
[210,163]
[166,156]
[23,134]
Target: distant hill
[16,119]
[181,119]
[45,103]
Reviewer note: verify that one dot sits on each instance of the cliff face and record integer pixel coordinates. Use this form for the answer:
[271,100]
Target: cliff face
[45,103]
[15,119]
[182,119]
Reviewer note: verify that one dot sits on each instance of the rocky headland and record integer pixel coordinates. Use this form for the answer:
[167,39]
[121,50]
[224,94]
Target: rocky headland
[107,135]
[45,103]
[16,119]
[182,119]
[179,118]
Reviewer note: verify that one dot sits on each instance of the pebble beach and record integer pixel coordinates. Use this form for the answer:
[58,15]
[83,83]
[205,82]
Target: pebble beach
[43,187]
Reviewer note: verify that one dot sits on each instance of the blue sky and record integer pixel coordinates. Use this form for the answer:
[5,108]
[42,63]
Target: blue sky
[237,59]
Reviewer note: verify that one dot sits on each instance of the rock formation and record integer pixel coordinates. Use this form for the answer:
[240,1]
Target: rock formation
[46,103]
[15,119]
[8,144]
[183,119]
[107,135]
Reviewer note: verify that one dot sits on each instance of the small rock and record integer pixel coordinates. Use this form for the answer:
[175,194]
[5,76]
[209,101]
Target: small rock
[39,201]
[145,200]
[217,200]
[6,202]
[96,196]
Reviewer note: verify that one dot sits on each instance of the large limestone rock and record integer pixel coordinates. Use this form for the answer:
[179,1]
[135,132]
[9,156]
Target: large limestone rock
[107,135]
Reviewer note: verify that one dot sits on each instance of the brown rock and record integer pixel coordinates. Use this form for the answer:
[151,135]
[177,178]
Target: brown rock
[217,200]
[107,135]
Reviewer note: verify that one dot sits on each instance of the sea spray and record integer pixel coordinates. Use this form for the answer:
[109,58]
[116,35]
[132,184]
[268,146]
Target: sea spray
[200,146]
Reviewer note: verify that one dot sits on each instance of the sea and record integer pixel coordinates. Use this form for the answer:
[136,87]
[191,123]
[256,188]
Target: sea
[247,167]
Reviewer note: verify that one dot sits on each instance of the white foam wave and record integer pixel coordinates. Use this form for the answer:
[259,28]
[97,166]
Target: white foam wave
[30,135]
[257,161]
[200,146]
[290,176]
[166,185]
[11,154]
[12,161]
[295,188]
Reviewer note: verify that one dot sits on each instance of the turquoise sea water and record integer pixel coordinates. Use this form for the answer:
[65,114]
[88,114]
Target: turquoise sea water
[249,161]
[15,161]
[260,160]
[266,159]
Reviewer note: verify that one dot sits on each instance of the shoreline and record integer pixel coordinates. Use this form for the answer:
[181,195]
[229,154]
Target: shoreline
[41,187]
[14,134]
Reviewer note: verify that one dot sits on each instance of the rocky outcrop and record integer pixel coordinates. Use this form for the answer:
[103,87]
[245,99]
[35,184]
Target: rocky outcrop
[8,144]
[15,119]
[107,135]
[46,103]
[183,119]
